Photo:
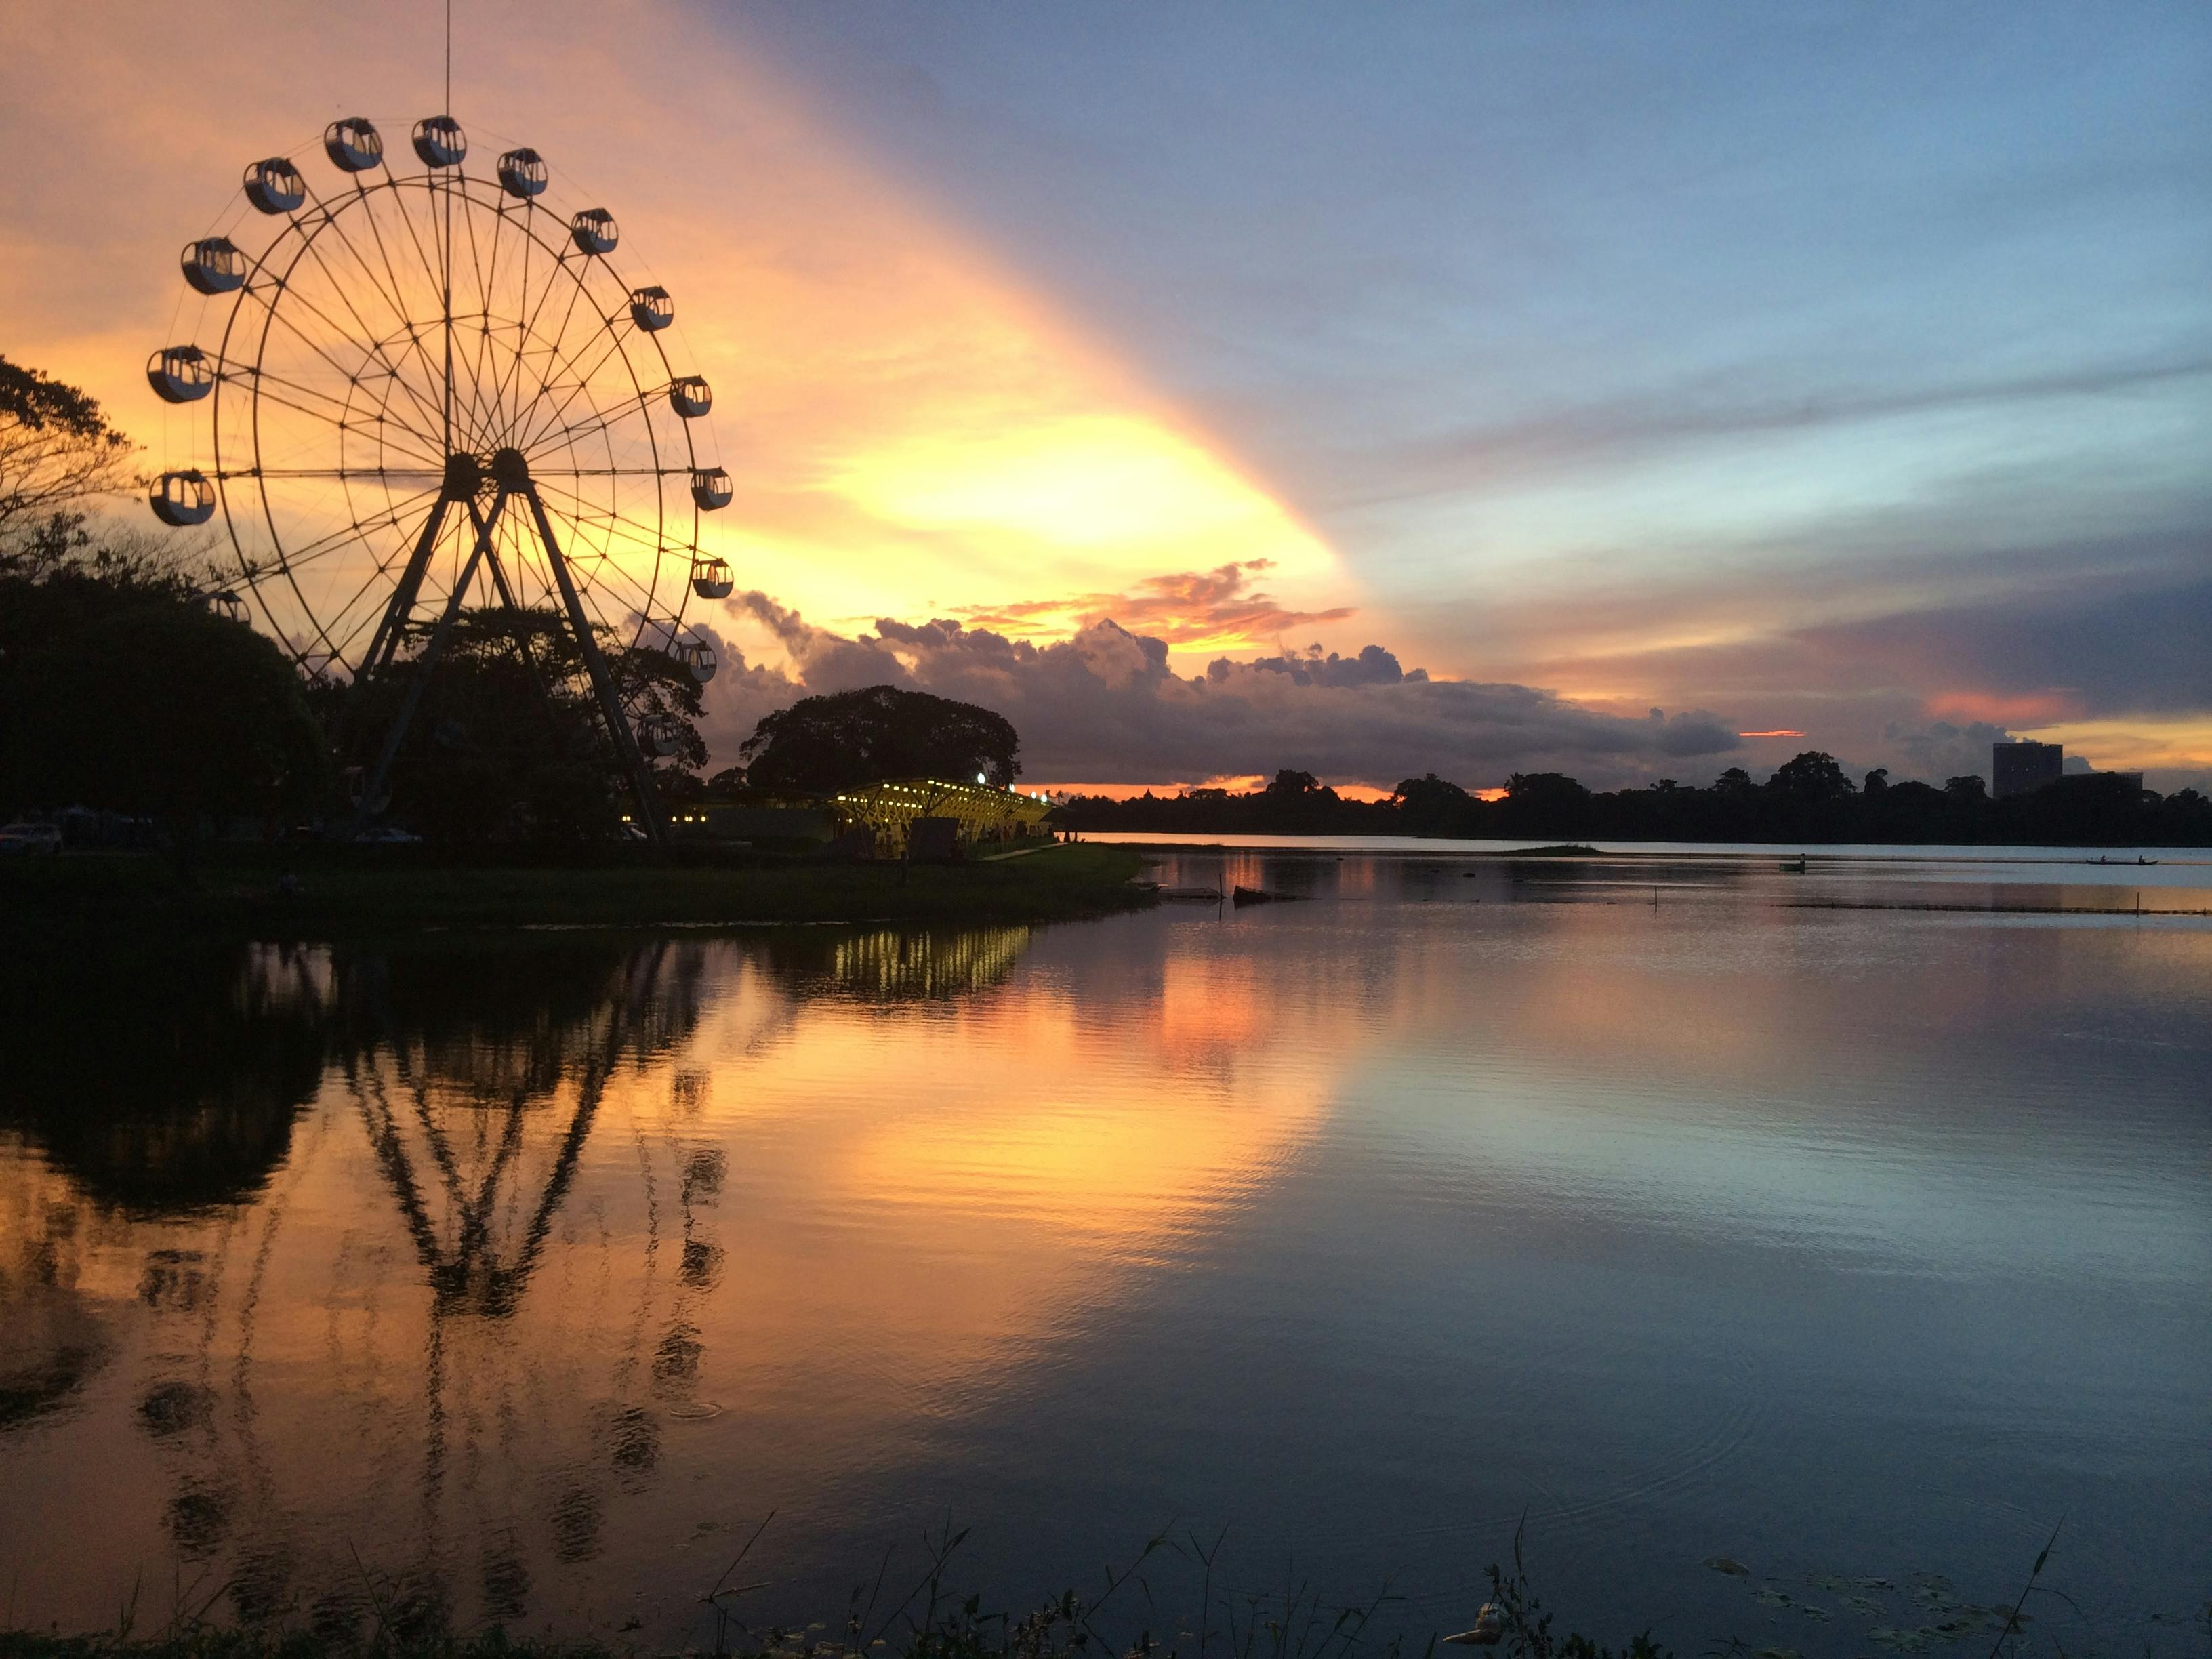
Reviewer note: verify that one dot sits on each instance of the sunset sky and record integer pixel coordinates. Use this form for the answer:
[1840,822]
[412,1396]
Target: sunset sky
[1372,389]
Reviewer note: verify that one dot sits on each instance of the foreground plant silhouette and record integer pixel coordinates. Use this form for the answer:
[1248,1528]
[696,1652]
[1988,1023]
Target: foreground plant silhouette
[1526,1626]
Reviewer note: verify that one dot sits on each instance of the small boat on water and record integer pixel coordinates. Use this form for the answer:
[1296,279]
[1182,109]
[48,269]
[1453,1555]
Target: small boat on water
[1191,895]
[1795,869]
[2145,862]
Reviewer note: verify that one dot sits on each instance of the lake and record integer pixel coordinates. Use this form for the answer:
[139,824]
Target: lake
[1852,1224]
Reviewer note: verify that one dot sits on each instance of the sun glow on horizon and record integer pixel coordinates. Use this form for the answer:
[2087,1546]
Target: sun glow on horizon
[2132,742]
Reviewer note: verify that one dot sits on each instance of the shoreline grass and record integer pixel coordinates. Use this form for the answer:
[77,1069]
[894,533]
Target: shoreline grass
[895,1612]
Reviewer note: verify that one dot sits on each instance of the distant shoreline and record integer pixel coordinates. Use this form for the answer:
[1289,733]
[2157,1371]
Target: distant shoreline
[1830,852]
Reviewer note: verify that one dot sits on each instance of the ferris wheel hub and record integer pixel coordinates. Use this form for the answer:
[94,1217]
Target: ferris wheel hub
[464,475]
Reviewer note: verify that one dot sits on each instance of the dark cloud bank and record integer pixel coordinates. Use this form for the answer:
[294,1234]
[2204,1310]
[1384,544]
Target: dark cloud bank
[1103,707]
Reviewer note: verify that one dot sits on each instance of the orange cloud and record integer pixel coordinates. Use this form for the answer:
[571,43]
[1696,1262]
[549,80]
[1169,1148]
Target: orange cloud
[1192,611]
[2036,708]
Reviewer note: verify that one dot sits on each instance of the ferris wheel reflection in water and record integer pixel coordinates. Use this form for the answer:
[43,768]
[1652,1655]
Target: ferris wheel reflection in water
[502,1415]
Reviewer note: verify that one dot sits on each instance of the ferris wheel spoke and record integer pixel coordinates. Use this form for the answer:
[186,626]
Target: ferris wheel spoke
[616,581]
[509,381]
[246,377]
[369,338]
[584,381]
[510,377]
[557,358]
[438,202]
[602,420]
[351,375]
[259,385]
[584,507]
[522,304]
[275,315]
[363,615]
[599,528]
[347,420]
[554,352]
[431,269]
[395,296]
[395,516]
[480,411]
[531,341]
[484,412]
[329,474]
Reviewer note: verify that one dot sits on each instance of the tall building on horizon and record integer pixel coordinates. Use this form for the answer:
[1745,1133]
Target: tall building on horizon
[2023,765]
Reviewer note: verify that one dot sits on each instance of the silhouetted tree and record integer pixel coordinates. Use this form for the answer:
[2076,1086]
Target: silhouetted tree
[57,450]
[1292,785]
[822,745]
[1810,780]
[120,689]
[1544,803]
[1430,803]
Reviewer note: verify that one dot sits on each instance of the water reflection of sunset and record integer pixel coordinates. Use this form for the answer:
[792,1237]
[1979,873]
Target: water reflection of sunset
[558,1265]
[844,1190]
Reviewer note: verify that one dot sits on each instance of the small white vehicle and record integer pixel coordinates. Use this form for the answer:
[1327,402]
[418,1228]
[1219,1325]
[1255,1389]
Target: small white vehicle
[27,838]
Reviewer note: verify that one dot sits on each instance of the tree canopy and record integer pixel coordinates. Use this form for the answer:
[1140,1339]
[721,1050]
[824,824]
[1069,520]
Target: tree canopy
[507,742]
[120,689]
[824,743]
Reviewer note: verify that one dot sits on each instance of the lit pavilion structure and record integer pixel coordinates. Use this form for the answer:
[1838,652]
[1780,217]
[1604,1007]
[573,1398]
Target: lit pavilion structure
[979,811]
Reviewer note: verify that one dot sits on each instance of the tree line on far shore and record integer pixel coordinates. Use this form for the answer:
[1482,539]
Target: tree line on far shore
[1808,800]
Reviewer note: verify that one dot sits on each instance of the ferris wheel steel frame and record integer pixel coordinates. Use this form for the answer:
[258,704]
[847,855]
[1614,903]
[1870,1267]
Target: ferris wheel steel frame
[438,434]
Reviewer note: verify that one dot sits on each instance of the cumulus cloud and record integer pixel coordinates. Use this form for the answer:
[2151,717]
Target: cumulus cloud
[1942,750]
[1104,706]
[1372,667]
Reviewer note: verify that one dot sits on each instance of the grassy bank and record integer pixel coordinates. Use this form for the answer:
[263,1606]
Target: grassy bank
[930,1620]
[351,893]
[895,1613]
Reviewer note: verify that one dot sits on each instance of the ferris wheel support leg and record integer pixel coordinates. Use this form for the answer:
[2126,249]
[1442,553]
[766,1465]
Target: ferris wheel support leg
[385,644]
[428,661]
[603,682]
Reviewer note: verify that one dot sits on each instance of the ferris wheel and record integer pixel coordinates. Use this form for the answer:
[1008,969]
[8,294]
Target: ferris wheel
[417,390]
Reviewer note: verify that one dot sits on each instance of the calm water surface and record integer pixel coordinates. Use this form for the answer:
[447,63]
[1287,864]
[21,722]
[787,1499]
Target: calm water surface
[1684,1207]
